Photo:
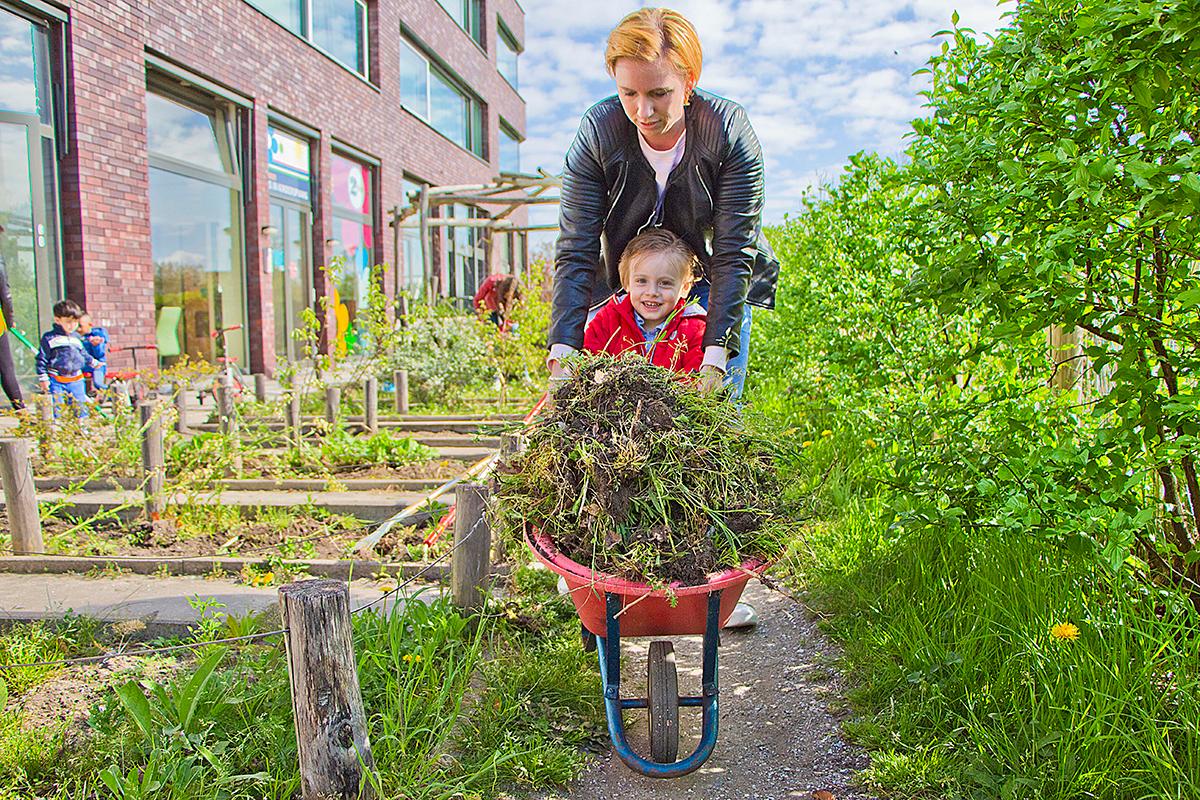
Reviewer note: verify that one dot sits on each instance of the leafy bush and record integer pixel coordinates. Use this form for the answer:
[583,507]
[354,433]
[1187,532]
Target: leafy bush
[443,350]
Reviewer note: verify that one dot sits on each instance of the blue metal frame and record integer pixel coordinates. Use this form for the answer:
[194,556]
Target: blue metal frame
[609,651]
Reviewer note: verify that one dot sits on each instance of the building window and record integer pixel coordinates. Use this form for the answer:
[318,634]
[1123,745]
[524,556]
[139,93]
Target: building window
[466,14]
[195,226]
[354,241]
[29,210]
[427,91]
[414,280]
[510,150]
[506,53]
[464,257]
[338,27]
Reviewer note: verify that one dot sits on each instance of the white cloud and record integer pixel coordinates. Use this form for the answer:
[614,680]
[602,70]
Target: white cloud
[820,79]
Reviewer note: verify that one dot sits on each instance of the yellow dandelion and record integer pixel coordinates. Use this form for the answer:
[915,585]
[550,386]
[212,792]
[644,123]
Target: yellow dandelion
[416,659]
[1065,631]
[408,657]
[870,443]
[827,432]
[806,444]
[387,587]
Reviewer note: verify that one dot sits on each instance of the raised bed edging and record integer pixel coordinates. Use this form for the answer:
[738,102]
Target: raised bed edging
[148,565]
[58,483]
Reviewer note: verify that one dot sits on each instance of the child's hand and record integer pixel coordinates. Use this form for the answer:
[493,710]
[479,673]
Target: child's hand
[710,378]
[45,386]
[95,339]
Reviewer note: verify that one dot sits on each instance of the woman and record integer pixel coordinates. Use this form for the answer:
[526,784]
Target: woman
[663,153]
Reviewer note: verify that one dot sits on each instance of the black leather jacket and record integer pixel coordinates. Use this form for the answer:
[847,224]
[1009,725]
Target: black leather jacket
[713,201]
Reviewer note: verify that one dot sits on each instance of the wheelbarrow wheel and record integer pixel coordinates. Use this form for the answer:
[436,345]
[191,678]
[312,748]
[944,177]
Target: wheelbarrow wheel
[588,638]
[662,690]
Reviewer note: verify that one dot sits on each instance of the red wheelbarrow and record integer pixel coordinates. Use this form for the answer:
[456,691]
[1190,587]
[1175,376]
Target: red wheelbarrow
[610,608]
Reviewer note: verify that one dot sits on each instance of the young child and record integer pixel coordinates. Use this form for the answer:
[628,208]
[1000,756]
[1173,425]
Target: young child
[95,343]
[61,358]
[653,317]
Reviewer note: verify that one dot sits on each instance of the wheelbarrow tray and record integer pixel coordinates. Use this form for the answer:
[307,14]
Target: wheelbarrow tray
[646,611]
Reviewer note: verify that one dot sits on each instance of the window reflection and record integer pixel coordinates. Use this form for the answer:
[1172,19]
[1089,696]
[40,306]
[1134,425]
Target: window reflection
[510,151]
[353,215]
[183,133]
[506,55]
[24,67]
[196,245]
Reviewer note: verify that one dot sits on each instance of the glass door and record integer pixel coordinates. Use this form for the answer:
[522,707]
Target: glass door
[291,274]
[24,240]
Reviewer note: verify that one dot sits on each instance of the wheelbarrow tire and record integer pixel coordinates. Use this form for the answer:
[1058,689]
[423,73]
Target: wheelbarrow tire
[589,639]
[662,690]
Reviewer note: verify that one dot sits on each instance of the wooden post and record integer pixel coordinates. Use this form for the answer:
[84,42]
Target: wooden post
[427,274]
[371,404]
[333,403]
[469,566]
[20,497]
[260,387]
[400,380]
[295,421]
[181,407]
[331,728]
[154,470]
[46,406]
[510,444]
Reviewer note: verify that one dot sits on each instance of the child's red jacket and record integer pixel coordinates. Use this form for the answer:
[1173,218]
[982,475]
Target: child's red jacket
[679,347]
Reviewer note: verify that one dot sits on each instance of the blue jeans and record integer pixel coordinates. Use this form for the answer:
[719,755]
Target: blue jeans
[735,369]
[70,394]
[99,375]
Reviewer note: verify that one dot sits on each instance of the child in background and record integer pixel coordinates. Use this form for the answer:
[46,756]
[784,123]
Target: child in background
[61,358]
[95,343]
[653,317]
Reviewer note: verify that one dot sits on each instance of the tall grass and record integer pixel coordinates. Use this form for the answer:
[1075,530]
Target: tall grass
[961,687]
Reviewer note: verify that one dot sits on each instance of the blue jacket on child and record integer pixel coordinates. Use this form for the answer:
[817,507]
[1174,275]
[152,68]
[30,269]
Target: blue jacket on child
[97,351]
[61,354]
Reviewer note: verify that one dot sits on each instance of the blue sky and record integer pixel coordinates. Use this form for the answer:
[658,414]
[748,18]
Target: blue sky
[820,79]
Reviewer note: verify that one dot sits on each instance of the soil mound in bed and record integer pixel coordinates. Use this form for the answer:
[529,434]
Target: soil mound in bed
[637,474]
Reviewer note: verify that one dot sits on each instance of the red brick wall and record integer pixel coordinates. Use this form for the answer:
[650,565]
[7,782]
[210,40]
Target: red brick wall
[105,180]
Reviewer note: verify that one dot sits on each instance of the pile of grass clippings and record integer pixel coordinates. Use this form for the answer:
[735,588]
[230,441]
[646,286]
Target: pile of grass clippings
[638,474]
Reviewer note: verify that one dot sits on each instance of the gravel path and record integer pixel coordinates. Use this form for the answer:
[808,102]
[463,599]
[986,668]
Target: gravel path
[781,711]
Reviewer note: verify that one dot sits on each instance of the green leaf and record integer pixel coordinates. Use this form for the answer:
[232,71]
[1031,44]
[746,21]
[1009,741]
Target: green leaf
[1191,182]
[138,706]
[1189,298]
[189,696]
[954,18]
[1141,93]
[3,693]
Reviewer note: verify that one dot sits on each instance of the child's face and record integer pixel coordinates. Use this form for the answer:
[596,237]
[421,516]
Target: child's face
[655,286]
[68,324]
[85,324]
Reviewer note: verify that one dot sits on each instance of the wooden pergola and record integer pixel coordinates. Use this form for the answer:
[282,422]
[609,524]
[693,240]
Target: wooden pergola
[509,191]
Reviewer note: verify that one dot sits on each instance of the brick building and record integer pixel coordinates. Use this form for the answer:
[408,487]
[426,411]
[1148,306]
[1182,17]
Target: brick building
[178,166]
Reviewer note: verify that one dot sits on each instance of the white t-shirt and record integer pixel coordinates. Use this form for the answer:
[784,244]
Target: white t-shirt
[663,161]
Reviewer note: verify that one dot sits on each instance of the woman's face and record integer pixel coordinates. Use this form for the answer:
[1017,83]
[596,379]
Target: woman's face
[652,94]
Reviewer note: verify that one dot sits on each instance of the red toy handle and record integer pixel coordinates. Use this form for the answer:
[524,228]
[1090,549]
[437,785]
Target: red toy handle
[219,331]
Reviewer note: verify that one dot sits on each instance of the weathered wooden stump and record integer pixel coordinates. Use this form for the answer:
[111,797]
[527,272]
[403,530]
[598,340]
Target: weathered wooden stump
[400,381]
[181,408]
[470,564]
[371,404]
[331,727]
[295,421]
[154,469]
[260,387]
[20,497]
[333,404]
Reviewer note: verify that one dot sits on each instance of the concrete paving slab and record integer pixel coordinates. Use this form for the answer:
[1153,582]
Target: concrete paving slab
[162,602]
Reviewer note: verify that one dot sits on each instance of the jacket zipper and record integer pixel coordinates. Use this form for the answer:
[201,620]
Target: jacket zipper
[700,178]
[620,191]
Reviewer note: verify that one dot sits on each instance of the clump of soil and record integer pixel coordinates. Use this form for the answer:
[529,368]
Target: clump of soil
[641,475]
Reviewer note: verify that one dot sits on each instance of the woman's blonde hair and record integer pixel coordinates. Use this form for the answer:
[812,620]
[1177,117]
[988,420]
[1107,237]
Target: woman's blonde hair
[651,33]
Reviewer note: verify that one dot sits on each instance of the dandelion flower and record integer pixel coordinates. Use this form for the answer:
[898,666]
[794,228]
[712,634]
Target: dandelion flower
[870,443]
[407,658]
[806,444]
[827,432]
[387,587]
[1065,631]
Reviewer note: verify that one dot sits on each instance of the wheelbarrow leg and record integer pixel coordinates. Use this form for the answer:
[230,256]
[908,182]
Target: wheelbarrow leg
[608,649]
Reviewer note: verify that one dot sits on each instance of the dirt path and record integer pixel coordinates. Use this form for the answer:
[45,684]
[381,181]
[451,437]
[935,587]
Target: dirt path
[781,710]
